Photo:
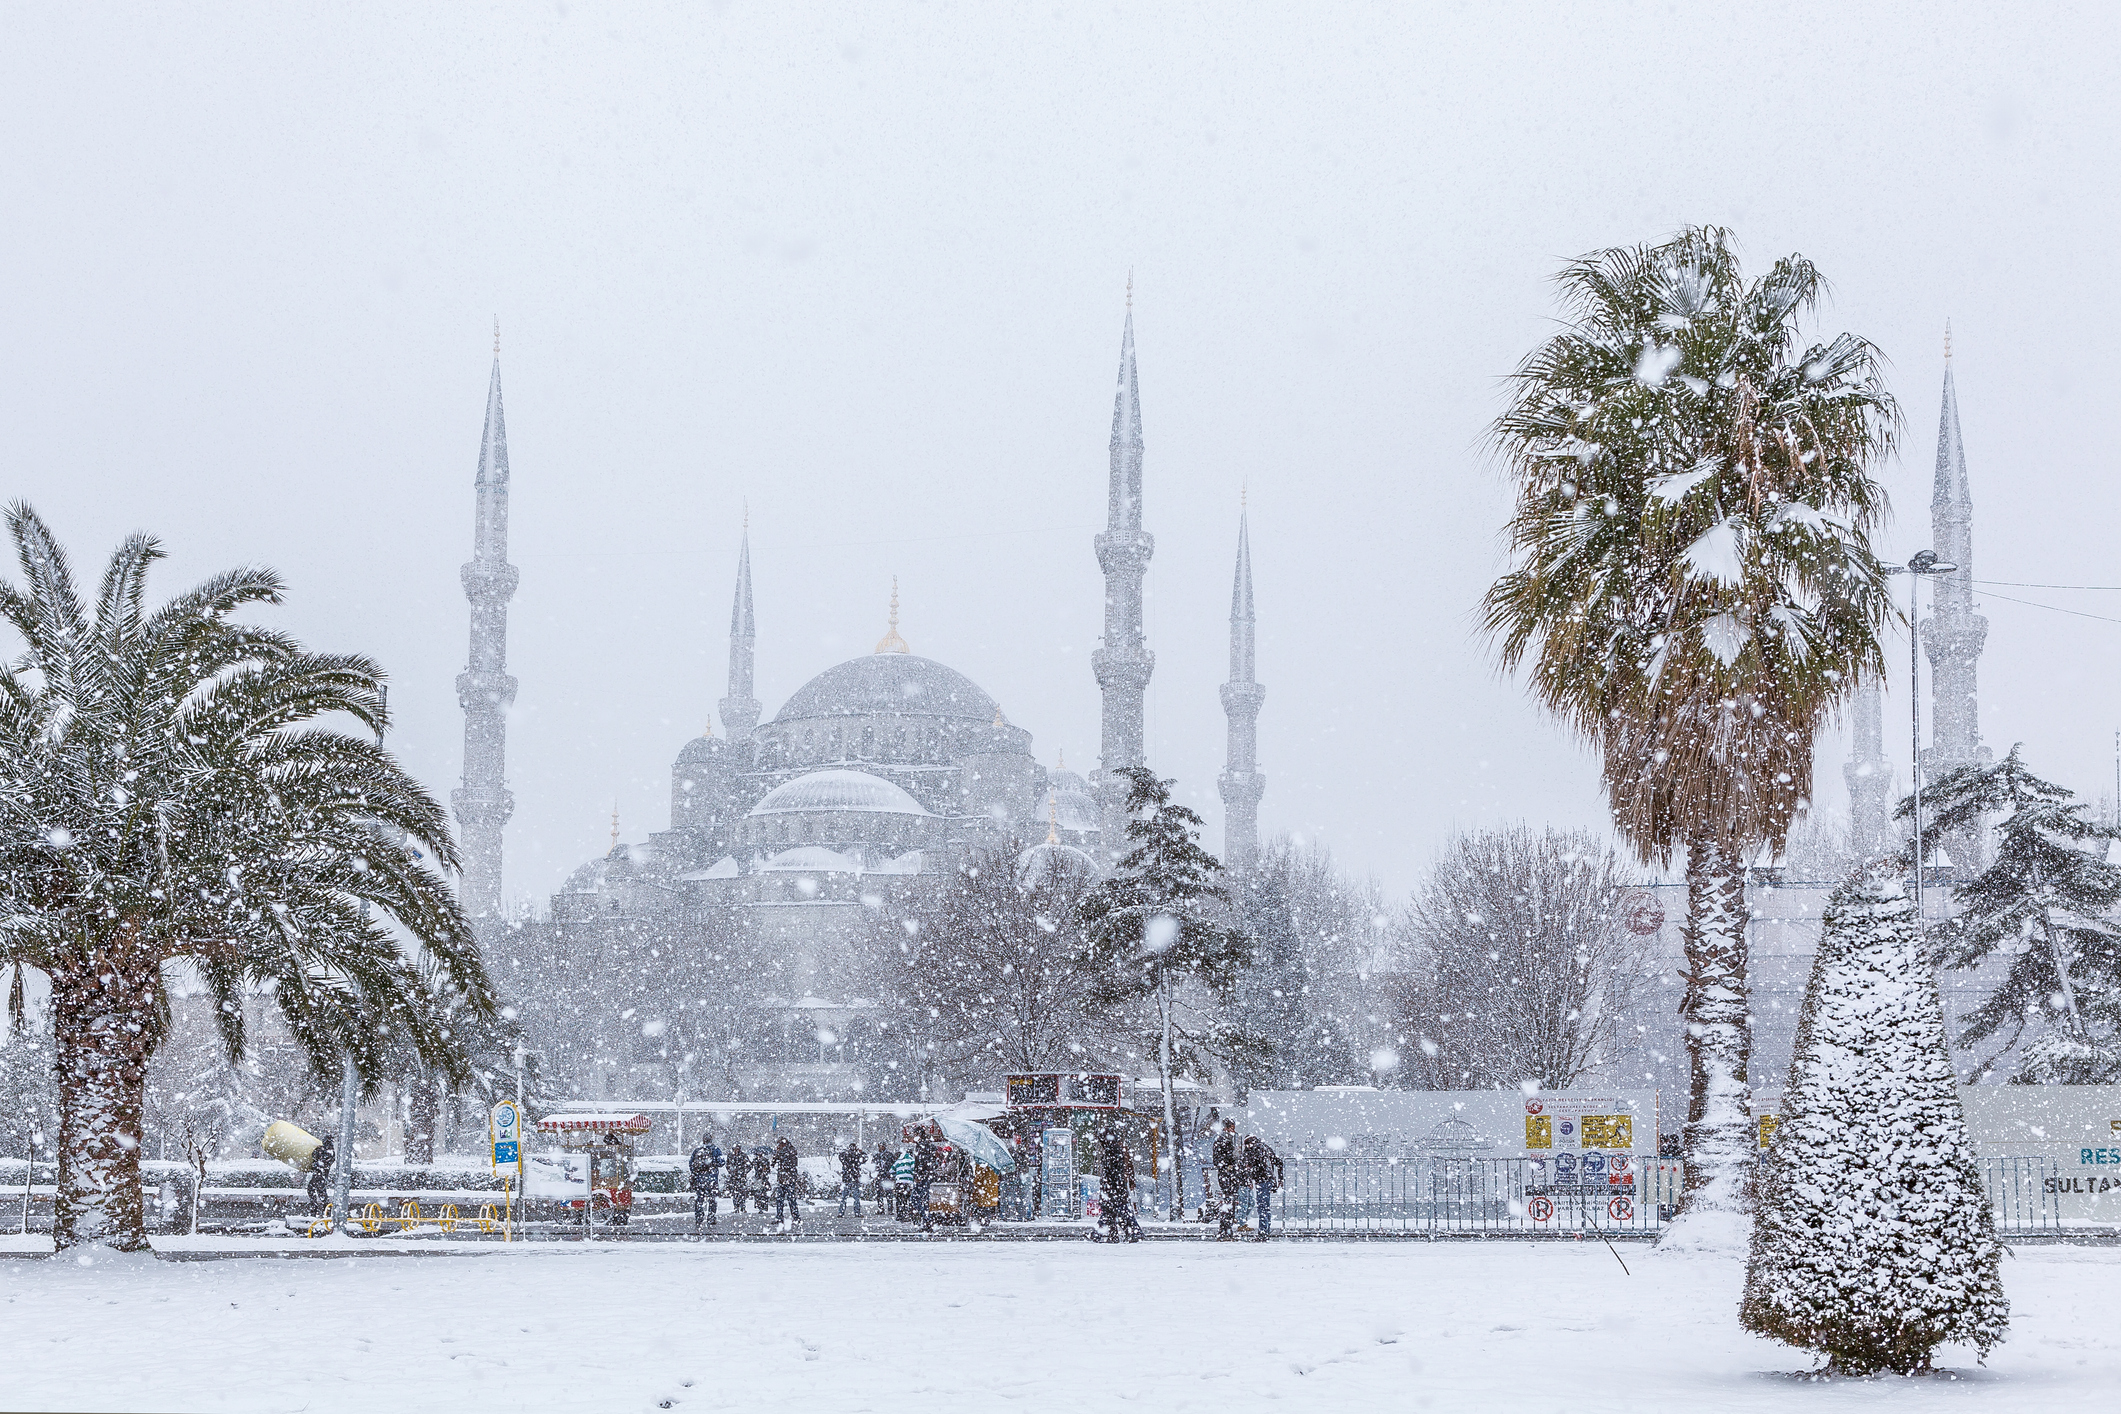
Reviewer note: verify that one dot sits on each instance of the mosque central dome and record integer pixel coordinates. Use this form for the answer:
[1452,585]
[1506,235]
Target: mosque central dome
[884,683]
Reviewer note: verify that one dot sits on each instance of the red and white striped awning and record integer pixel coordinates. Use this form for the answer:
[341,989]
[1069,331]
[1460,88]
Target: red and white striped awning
[619,1121]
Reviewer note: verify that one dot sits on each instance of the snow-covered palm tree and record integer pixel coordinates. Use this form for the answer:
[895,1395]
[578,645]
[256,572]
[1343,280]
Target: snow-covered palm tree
[166,797]
[1693,589]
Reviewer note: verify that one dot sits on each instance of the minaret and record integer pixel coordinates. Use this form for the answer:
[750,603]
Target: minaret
[1953,633]
[740,709]
[1124,663]
[1870,776]
[484,689]
[1241,784]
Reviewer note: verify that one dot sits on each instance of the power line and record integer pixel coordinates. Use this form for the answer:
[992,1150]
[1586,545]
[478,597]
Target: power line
[2056,608]
[2026,584]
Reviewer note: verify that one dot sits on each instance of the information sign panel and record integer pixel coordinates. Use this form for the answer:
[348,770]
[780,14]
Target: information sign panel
[505,1132]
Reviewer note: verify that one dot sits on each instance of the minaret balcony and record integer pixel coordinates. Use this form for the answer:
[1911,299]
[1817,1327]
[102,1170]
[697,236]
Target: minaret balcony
[1122,670]
[489,579]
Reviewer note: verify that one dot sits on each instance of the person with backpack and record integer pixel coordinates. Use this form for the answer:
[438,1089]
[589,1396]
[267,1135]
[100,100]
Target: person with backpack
[787,1189]
[704,1168]
[1260,1169]
[851,1178]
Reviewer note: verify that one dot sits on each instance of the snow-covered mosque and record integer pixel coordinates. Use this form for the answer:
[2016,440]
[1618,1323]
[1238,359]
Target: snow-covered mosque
[871,784]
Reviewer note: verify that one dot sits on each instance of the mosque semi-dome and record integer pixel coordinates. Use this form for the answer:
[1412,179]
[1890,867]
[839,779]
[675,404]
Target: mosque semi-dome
[1055,860]
[884,683]
[837,790]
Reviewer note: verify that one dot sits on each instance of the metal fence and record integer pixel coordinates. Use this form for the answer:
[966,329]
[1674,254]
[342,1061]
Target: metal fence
[1521,1197]
[1517,1197]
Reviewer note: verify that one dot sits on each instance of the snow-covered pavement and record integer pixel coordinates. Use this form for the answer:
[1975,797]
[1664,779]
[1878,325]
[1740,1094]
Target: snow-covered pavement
[824,1328]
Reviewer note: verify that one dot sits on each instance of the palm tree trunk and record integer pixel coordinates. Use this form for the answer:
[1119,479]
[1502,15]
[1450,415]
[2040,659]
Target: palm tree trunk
[100,1017]
[1719,1020]
[426,1110]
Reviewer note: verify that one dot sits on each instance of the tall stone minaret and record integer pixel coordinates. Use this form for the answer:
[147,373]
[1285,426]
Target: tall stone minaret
[1953,633]
[484,689]
[1241,783]
[740,709]
[1870,776]
[1124,663]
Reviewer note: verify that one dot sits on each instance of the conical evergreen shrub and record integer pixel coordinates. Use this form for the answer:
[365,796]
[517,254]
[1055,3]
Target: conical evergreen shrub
[1874,1242]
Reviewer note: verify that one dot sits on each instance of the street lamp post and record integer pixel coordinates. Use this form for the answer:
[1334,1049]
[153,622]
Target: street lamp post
[1924,562]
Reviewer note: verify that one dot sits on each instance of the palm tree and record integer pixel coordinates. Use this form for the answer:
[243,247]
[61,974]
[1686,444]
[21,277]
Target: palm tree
[166,798]
[1693,589]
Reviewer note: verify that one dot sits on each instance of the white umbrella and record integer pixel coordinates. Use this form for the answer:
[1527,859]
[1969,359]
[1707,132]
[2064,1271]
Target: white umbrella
[978,1141]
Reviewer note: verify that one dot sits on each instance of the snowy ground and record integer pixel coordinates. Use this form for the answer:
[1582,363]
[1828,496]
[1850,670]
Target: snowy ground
[823,1328]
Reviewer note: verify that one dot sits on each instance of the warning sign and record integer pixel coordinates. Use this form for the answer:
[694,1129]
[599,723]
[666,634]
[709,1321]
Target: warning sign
[1539,1131]
[1768,1126]
[1609,1131]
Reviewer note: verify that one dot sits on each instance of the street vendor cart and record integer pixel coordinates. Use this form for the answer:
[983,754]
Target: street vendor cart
[605,1144]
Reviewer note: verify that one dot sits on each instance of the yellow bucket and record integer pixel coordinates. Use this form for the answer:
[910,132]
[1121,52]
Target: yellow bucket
[290,1144]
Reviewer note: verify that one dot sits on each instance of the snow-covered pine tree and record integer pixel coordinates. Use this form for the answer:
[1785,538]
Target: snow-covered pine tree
[1159,922]
[2043,904]
[1874,1242]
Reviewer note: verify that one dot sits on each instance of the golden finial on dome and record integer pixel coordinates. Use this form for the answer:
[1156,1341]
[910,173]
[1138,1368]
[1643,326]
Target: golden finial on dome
[998,722]
[614,824]
[891,642]
[1052,819]
[1060,759]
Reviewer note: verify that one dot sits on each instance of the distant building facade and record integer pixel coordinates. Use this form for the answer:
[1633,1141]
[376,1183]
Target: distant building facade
[748,930]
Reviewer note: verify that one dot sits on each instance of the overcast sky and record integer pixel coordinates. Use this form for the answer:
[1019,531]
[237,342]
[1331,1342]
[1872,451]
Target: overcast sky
[865,266]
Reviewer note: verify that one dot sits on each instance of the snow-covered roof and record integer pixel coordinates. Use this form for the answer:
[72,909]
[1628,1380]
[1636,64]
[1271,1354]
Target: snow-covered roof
[812,859]
[886,684]
[838,790]
[724,868]
[1070,810]
[1035,864]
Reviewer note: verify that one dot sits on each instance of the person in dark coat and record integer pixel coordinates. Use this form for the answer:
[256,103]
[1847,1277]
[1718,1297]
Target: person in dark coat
[1115,1186]
[704,1167]
[788,1175]
[1228,1180]
[319,1185]
[851,1178]
[883,1159]
[925,1163]
[761,1176]
[1259,1167]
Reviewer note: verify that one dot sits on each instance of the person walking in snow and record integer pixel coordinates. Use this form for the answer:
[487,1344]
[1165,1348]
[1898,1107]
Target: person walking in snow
[761,1176]
[704,1167]
[925,1163]
[788,1174]
[1115,1186]
[319,1185]
[1225,1156]
[851,1178]
[883,1160]
[1260,1169]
